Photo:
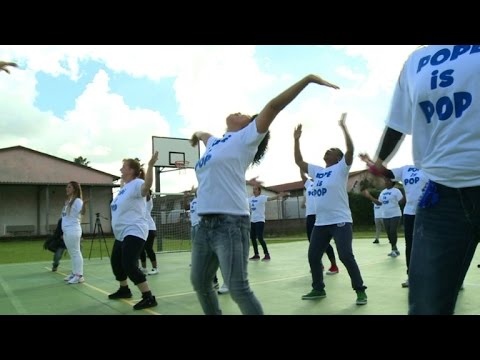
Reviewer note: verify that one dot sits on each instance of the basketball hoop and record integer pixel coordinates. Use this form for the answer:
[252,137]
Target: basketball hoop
[182,166]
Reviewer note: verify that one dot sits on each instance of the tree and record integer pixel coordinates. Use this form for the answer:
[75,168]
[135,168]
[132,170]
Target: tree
[81,160]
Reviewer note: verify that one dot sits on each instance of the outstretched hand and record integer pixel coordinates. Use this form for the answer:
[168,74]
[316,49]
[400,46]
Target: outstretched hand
[4,64]
[318,80]
[297,132]
[254,182]
[194,140]
[343,120]
[365,158]
[154,159]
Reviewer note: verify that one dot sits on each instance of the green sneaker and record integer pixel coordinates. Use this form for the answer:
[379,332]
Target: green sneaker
[314,294]
[361,297]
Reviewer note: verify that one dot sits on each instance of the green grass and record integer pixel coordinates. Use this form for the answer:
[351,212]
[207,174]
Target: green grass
[28,250]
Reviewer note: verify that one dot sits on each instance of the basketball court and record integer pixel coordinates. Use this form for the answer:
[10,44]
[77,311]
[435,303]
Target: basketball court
[31,288]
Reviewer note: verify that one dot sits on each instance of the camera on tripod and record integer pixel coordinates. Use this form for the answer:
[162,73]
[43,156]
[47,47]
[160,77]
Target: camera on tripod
[97,214]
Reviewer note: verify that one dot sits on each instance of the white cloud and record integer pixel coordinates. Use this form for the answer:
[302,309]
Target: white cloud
[210,83]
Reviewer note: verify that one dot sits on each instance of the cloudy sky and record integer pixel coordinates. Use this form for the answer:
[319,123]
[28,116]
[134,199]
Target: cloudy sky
[106,102]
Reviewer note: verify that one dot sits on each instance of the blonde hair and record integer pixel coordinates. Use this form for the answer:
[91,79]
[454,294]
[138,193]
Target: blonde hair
[77,194]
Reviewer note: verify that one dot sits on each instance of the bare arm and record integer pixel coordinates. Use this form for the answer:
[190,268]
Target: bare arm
[304,178]
[254,182]
[149,175]
[378,171]
[4,64]
[298,154]
[84,207]
[277,104]
[348,140]
[369,196]
[200,136]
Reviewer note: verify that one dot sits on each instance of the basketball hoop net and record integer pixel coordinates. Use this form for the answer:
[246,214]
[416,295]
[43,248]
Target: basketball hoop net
[182,166]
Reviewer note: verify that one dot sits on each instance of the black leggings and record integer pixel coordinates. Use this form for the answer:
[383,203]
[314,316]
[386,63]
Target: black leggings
[310,224]
[148,248]
[124,259]
[256,230]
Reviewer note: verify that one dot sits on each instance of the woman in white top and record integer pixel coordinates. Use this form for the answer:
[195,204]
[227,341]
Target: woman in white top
[72,231]
[130,227]
[222,238]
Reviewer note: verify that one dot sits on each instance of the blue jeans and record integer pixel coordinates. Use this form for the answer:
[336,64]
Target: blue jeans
[223,240]
[445,237]
[58,255]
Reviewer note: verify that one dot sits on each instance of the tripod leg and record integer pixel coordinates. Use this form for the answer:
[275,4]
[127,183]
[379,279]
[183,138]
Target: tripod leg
[91,243]
[104,241]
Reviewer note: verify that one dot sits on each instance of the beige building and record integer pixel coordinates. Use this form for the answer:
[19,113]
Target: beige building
[32,192]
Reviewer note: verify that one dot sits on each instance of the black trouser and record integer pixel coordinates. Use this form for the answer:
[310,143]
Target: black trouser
[408,222]
[256,231]
[310,224]
[148,248]
[124,259]
[391,228]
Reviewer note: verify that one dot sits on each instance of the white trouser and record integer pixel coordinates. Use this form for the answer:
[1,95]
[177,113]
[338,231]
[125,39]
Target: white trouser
[71,237]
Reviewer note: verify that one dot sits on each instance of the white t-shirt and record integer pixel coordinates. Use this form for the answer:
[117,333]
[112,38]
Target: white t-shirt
[309,198]
[330,193]
[221,172]
[389,199]
[377,211]
[257,207]
[128,211]
[148,213]
[437,100]
[414,181]
[71,220]
[194,217]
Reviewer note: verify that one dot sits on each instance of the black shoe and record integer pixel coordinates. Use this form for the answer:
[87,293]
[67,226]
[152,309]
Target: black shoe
[145,303]
[121,294]
[376,241]
[54,268]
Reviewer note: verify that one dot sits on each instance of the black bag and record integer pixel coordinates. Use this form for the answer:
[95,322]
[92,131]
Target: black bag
[55,241]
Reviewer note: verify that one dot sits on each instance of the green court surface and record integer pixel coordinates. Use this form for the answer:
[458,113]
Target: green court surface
[31,288]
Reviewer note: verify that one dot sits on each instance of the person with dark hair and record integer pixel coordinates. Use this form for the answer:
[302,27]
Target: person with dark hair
[413,181]
[72,232]
[130,227]
[4,66]
[435,101]
[333,218]
[152,233]
[257,220]
[57,255]
[222,237]
[310,221]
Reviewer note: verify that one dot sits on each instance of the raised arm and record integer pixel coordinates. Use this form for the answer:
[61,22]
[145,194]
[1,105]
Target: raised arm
[389,144]
[4,64]
[348,140]
[149,175]
[298,154]
[369,196]
[200,136]
[382,171]
[277,104]
[303,176]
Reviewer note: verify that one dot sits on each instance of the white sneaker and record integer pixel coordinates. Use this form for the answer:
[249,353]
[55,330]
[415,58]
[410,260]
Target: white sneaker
[76,279]
[393,254]
[223,289]
[154,271]
[69,277]
[144,270]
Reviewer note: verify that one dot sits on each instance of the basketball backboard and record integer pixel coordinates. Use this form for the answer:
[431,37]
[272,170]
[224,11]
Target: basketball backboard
[171,150]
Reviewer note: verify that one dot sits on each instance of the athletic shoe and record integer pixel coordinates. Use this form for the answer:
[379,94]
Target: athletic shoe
[266,258]
[77,279]
[393,254]
[69,277]
[361,297]
[333,270]
[376,241]
[223,290]
[154,271]
[405,284]
[144,270]
[54,268]
[121,294]
[255,257]
[314,294]
[145,303]
[397,252]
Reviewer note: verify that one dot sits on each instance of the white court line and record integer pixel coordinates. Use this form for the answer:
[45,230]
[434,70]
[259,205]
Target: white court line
[13,299]
[106,293]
